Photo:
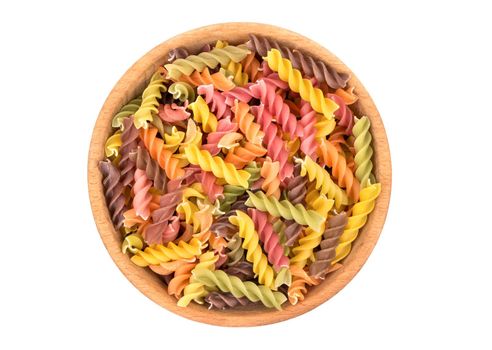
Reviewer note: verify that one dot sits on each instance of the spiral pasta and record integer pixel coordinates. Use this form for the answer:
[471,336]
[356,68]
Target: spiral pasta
[215,100]
[158,151]
[143,161]
[125,112]
[231,284]
[270,239]
[236,251]
[154,255]
[285,209]
[304,87]
[235,70]
[218,80]
[363,151]
[129,142]
[196,290]
[326,254]
[113,191]
[112,146]
[357,219]
[312,68]
[312,238]
[202,114]
[150,102]
[210,59]
[324,183]
[340,169]
[231,192]
[242,155]
[271,183]
[217,166]
[246,122]
[182,91]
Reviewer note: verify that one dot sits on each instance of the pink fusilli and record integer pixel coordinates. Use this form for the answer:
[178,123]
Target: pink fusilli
[141,201]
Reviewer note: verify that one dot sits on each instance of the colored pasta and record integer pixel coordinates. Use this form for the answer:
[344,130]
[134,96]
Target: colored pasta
[241,176]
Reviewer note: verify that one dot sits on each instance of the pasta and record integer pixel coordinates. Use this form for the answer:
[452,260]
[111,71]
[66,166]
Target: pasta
[125,112]
[217,166]
[254,253]
[113,191]
[219,279]
[270,239]
[210,59]
[326,254]
[129,142]
[297,83]
[241,176]
[324,183]
[285,209]
[182,91]
[218,80]
[363,151]
[357,219]
[150,102]
[311,68]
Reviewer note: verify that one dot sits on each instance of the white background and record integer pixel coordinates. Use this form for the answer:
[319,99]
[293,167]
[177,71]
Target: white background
[427,283]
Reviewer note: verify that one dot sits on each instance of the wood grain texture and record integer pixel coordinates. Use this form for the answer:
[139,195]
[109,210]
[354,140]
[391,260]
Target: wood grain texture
[133,83]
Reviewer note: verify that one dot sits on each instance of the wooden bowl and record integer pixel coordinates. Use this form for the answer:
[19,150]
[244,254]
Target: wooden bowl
[133,83]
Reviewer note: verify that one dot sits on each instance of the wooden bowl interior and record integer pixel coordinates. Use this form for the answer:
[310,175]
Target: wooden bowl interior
[132,84]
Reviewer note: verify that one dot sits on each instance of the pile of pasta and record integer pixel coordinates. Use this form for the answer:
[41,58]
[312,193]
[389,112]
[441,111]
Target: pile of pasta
[241,174]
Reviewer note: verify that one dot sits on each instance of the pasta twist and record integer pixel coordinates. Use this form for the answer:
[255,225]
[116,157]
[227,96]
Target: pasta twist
[132,243]
[141,201]
[217,80]
[143,161]
[113,191]
[156,254]
[275,145]
[295,193]
[235,69]
[304,87]
[326,254]
[251,66]
[158,151]
[270,239]
[150,101]
[343,113]
[217,166]
[357,219]
[162,230]
[340,169]
[180,279]
[312,238]
[182,91]
[317,69]
[231,284]
[271,183]
[363,151]
[223,301]
[196,290]
[309,145]
[202,114]
[215,101]
[210,186]
[267,94]
[112,146]
[254,253]
[285,209]
[236,251]
[324,127]
[172,113]
[243,270]
[323,179]
[298,287]
[246,122]
[129,142]
[125,112]
[210,59]
[242,155]
[224,127]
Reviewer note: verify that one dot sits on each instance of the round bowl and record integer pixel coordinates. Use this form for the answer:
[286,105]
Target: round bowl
[134,81]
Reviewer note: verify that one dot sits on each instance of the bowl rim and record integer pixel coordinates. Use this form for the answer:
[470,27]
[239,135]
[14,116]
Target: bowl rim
[133,81]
